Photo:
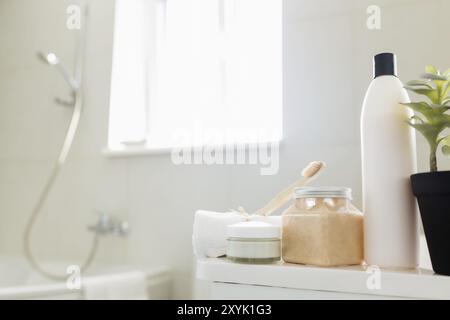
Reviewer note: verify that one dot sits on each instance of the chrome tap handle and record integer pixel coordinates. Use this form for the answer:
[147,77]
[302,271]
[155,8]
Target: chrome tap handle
[108,225]
[123,228]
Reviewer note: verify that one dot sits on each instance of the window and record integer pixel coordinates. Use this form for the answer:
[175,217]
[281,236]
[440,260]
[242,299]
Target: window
[196,72]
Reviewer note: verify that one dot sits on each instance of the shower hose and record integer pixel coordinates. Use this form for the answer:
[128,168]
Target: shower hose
[36,210]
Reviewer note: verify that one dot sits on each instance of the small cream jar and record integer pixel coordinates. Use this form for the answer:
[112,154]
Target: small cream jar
[254,242]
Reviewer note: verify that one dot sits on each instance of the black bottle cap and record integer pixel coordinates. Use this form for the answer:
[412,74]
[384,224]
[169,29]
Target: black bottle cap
[385,64]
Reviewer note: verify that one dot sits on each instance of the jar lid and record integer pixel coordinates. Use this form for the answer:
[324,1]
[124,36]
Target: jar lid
[323,192]
[253,230]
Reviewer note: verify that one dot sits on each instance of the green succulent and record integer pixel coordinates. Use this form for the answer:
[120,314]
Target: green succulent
[431,118]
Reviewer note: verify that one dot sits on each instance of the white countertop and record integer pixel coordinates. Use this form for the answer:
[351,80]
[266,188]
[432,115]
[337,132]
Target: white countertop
[418,283]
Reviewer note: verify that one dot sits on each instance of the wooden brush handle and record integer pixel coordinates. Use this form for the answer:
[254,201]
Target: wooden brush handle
[281,198]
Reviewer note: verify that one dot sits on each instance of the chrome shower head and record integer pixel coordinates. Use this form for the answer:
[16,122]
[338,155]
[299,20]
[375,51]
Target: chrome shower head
[50,58]
[53,60]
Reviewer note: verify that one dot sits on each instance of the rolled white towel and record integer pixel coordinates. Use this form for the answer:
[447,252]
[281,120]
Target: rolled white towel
[209,232]
[209,238]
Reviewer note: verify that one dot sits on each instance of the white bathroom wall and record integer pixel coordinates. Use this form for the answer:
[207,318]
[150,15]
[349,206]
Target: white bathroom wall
[158,199]
[327,68]
[414,30]
[328,53]
[33,128]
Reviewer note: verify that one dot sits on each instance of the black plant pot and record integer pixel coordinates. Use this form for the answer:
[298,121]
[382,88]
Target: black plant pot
[433,194]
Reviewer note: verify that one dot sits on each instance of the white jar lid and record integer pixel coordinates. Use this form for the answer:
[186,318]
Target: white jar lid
[253,230]
[323,192]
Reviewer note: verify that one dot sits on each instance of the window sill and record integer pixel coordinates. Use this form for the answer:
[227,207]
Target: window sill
[144,150]
[134,152]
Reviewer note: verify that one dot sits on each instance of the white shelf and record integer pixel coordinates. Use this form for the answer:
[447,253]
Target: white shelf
[420,283]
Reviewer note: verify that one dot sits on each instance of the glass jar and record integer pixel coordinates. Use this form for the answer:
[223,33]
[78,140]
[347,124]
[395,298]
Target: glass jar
[322,228]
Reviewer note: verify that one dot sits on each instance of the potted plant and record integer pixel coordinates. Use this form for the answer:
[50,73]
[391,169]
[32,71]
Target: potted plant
[432,189]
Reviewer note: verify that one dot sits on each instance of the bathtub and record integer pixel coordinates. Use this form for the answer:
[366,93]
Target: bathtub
[19,281]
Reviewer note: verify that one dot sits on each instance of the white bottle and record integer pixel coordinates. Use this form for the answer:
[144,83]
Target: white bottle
[388,160]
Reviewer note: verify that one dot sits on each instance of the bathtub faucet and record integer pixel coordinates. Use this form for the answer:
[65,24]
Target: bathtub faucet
[108,225]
